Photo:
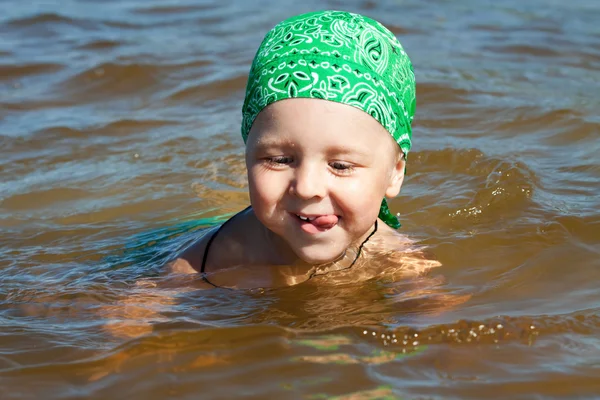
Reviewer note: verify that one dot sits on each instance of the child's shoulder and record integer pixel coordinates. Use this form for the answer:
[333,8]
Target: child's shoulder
[401,253]
[389,239]
[220,245]
[189,261]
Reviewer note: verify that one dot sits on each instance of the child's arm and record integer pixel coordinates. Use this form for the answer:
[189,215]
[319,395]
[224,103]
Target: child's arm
[133,315]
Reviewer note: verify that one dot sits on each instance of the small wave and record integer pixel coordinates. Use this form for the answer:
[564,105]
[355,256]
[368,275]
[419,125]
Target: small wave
[492,331]
[584,228]
[524,50]
[401,30]
[135,26]
[125,127]
[45,18]
[182,9]
[33,199]
[438,94]
[132,78]
[480,187]
[102,44]
[549,27]
[43,25]
[122,128]
[11,72]
[530,119]
[214,89]
[575,132]
[110,80]
[565,129]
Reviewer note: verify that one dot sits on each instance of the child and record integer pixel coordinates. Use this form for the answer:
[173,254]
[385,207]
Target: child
[327,125]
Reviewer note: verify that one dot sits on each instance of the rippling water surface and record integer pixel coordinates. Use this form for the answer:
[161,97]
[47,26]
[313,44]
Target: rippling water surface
[119,142]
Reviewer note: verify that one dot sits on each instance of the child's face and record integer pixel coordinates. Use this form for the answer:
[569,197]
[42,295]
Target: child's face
[330,162]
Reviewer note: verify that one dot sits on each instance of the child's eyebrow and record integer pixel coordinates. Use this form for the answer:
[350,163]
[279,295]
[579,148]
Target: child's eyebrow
[334,150]
[273,142]
[346,150]
[337,149]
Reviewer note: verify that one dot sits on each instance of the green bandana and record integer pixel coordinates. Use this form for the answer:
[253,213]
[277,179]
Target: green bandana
[341,57]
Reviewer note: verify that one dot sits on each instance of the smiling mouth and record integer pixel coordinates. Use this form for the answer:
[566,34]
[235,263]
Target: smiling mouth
[317,223]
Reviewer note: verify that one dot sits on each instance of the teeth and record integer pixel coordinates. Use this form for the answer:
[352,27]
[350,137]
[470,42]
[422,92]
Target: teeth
[306,218]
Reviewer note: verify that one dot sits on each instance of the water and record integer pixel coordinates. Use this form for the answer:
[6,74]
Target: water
[119,129]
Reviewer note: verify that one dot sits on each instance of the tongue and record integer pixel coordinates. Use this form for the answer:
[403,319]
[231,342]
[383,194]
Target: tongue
[325,221]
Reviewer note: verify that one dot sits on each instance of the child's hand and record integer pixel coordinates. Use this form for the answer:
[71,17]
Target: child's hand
[134,315]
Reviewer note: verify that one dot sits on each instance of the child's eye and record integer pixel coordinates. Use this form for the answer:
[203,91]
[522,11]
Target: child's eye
[341,167]
[279,160]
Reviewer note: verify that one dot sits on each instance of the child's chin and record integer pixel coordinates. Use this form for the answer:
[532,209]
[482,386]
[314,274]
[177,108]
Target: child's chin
[316,256]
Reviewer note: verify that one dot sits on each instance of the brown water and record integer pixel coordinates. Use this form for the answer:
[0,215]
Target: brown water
[119,141]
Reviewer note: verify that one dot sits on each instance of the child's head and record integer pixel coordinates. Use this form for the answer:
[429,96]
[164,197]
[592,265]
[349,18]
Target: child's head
[334,160]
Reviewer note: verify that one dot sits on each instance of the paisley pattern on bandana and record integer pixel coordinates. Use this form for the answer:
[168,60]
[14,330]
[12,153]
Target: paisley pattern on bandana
[336,56]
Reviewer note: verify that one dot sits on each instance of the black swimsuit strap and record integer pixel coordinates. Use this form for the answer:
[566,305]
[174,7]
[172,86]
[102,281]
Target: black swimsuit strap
[207,248]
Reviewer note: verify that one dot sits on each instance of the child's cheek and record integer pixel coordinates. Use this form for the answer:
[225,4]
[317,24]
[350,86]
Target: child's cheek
[358,198]
[263,188]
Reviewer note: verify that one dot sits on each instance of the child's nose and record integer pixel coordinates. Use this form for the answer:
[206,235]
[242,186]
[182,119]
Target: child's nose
[308,182]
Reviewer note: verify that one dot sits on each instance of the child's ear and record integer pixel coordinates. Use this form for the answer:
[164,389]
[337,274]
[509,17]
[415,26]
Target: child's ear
[396,178]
